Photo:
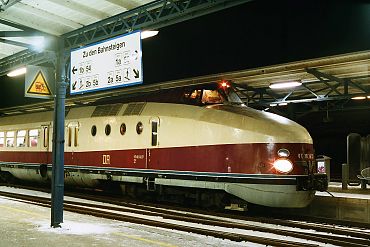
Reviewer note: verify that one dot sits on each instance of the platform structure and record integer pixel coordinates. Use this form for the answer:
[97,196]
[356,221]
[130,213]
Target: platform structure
[351,204]
[28,225]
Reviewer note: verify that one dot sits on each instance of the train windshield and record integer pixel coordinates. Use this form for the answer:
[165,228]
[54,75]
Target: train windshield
[203,97]
[211,96]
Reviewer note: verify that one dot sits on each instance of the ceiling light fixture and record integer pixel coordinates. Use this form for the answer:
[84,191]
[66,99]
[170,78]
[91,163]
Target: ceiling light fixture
[288,84]
[359,97]
[17,72]
[148,34]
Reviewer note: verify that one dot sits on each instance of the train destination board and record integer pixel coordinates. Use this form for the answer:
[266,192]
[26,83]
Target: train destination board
[109,64]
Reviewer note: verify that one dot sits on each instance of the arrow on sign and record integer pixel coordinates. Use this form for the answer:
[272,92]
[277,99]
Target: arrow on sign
[136,72]
[74,85]
[74,70]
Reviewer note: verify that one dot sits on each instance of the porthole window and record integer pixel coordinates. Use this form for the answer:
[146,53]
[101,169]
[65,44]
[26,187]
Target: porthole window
[139,127]
[107,129]
[93,130]
[122,129]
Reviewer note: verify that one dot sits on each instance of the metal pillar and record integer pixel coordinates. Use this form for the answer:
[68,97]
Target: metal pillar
[345,176]
[57,183]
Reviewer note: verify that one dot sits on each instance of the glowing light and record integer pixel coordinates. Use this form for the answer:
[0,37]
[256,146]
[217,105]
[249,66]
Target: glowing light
[148,34]
[359,97]
[283,104]
[17,72]
[283,153]
[38,43]
[288,84]
[283,165]
[224,84]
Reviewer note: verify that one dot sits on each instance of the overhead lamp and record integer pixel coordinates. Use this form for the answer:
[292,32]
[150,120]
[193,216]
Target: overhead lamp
[17,72]
[287,84]
[148,34]
[359,97]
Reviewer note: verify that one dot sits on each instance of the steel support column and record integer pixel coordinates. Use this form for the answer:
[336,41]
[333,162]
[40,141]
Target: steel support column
[57,184]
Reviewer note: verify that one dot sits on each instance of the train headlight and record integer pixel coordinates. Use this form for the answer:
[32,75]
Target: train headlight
[283,153]
[283,165]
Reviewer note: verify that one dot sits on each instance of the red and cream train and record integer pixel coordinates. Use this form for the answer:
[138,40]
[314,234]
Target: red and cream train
[220,152]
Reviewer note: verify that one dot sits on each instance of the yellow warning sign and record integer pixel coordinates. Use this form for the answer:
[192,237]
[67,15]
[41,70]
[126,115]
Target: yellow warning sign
[39,85]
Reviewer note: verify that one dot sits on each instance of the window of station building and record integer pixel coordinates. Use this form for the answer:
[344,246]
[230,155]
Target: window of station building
[122,129]
[139,128]
[33,137]
[93,130]
[21,138]
[107,129]
[2,139]
[10,138]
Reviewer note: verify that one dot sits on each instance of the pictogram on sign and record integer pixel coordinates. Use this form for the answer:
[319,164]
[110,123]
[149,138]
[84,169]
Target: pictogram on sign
[39,85]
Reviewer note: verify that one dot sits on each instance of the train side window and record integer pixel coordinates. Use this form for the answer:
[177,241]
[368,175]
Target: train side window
[107,129]
[93,130]
[10,138]
[2,139]
[46,136]
[154,133]
[139,128]
[122,129]
[21,138]
[33,137]
[70,129]
[76,136]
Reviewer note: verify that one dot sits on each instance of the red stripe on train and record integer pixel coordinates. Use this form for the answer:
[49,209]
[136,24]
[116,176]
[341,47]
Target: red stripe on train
[234,158]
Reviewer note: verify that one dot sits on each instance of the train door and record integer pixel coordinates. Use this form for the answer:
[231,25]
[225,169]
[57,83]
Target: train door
[45,142]
[154,128]
[154,122]
[72,141]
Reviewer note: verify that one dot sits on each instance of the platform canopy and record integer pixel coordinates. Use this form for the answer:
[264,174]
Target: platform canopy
[25,23]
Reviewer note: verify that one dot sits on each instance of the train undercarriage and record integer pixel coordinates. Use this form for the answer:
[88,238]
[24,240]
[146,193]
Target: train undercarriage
[186,188]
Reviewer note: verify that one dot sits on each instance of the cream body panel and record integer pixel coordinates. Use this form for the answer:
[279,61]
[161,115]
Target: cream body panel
[179,125]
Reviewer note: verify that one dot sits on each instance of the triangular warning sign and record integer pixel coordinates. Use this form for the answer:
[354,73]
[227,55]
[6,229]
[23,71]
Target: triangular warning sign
[39,85]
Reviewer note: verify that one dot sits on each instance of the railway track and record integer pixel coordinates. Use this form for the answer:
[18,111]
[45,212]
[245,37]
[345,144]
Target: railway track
[244,228]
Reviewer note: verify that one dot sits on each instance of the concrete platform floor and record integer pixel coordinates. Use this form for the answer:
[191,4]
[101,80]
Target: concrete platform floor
[28,225]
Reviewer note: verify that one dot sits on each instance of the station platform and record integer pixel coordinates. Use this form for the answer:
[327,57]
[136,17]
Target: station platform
[25,225]
[352,204]
[28,225]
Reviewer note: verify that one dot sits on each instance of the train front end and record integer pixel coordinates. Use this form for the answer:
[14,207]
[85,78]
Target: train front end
[273,157]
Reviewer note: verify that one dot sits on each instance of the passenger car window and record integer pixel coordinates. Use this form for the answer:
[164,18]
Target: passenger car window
[33,137]
[93,130]
[139,128]
[107,129]
[21,138]
[122,129]
[2,139]
[10,138]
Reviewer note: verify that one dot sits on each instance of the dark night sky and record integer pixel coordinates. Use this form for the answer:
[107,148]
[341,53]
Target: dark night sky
[251,35]
[256,34]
